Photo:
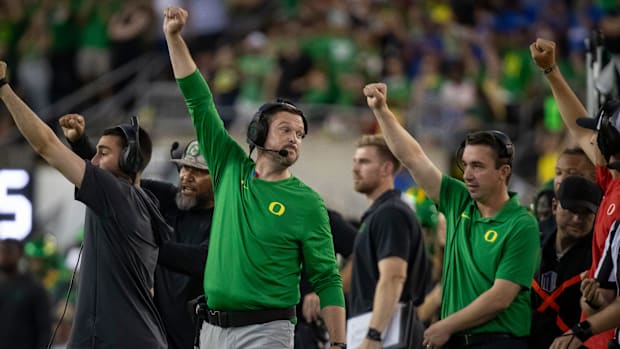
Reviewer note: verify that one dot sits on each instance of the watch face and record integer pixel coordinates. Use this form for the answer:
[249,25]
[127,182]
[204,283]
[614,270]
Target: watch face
[373,335]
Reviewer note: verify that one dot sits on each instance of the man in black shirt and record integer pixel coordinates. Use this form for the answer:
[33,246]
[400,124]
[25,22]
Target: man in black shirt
[390,265]
[122,231]
[566,253]
[25,312]
[187,208]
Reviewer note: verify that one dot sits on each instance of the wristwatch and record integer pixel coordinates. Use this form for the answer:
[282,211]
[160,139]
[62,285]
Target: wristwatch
[373,335]
[582,330]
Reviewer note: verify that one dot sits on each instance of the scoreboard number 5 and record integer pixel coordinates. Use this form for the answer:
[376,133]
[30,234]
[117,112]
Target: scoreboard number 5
[15,208]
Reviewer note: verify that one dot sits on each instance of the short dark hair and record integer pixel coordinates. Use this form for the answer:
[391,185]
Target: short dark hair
[146,145]
[496,140]
[379,143]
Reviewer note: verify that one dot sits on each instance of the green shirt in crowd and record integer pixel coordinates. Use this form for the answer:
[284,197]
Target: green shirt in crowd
[261,230]
[480,250]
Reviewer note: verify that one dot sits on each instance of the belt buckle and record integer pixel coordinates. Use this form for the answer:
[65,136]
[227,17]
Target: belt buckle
[218,316]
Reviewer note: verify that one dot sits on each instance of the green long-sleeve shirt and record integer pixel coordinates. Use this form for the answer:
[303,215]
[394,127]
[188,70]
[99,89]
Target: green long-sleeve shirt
[260,229]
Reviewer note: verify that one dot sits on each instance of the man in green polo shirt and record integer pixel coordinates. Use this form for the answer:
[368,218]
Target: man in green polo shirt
[265,223]
[492,244]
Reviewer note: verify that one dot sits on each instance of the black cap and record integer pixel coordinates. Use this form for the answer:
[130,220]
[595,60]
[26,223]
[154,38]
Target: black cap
[589,123]
[610,109]
[579,192]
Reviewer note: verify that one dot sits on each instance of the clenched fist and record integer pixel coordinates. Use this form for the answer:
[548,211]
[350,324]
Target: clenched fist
[174,20]
[73,126]
[543,53]
[376,95]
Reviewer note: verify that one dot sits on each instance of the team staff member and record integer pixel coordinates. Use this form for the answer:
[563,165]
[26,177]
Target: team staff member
[390,264]
[122,231]
[589,139]
[188,208]
[265,222]
[566,253]
[492,242]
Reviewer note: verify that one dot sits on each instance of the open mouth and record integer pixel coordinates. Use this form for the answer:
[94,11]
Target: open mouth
[185,189]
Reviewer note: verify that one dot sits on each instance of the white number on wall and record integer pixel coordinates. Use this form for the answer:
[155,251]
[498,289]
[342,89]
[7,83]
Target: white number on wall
[15,208]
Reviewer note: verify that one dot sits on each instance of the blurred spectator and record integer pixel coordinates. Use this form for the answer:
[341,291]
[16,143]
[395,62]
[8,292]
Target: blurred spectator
[206,28]
[226,82]
[129,29]
[542,204]
[62,16]
[94,55]
[34,71]
[25,319]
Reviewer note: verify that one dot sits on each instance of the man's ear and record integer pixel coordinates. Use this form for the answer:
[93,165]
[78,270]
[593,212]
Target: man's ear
[387,168]
[505,171]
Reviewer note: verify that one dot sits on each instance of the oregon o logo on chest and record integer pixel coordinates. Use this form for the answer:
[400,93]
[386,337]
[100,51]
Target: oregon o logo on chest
[610,209]
[277,208]
[490,236]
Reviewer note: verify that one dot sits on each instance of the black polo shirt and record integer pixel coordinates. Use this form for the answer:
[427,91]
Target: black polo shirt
[115,309]
[389,228]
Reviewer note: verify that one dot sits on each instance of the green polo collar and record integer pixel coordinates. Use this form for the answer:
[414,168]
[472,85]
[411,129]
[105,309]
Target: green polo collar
[505,213]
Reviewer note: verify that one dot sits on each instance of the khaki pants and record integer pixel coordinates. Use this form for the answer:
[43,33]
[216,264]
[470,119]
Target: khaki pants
[277,334]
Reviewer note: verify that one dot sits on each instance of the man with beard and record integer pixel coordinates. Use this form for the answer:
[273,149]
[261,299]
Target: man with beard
[25,313]
[390,264]
[187,208]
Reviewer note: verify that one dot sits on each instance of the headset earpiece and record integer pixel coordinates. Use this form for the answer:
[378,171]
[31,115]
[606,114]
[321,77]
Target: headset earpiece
[259,127]
[507,149]
[130,160]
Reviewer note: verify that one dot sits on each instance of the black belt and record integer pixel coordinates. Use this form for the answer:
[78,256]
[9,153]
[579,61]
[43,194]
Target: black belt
[245,318]
[466,340]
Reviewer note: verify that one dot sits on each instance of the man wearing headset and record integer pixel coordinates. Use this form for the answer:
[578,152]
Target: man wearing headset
[600,139]
[122,231]
[266,220]
[188,209]
[492,244]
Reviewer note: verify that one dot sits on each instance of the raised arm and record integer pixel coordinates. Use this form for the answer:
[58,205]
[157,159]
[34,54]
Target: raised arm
[402,144]
[571,108]
[182,62]
[40,136]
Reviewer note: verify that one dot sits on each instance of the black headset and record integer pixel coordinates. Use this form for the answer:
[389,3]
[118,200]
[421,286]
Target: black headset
[259,127]
[504,151]
[130,160]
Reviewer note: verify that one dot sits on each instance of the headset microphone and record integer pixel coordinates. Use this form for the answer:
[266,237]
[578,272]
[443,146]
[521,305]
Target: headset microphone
[173,149]
[281,152]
